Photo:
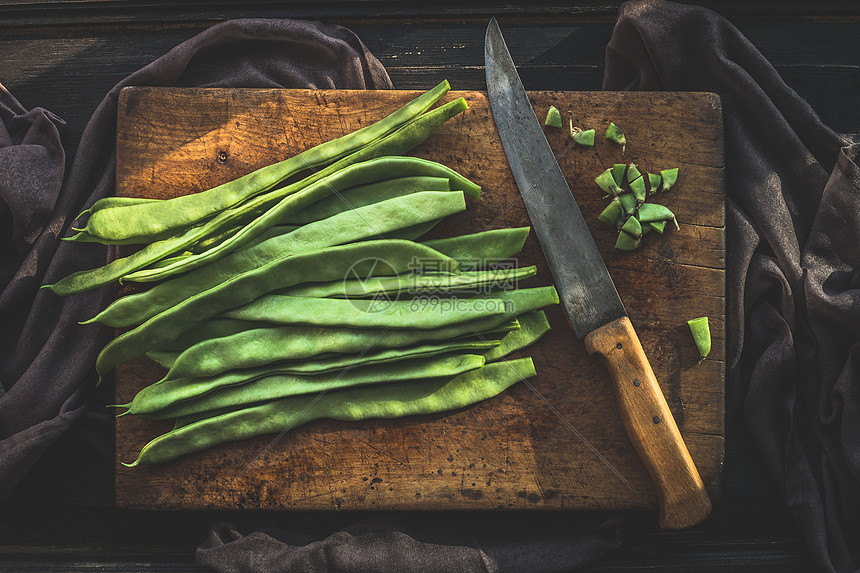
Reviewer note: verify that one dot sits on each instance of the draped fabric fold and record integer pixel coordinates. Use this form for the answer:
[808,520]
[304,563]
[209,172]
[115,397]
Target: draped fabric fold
[46,358]
[793,262]
[420,542]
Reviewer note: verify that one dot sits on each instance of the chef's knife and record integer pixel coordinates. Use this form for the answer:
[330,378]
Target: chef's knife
[589,297]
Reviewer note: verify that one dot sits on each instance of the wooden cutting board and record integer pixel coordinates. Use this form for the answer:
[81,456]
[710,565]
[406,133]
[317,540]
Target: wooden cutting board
[555,441]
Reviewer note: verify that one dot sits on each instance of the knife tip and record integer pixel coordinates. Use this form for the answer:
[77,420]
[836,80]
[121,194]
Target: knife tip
[493,30]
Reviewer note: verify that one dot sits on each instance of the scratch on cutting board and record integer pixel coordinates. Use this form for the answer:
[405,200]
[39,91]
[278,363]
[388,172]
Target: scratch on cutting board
[488,426]
[198,184]
[579,435]
[307,497]
[343,127]
[287,139]
[386,454]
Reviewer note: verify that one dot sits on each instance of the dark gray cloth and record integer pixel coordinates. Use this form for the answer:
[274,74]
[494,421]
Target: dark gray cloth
[423,542]
[46,358]
[793,263]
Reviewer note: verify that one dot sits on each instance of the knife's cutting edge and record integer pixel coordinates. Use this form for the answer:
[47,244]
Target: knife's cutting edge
[586,289]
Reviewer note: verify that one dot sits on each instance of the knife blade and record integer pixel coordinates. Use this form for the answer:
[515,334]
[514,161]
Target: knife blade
[589,296]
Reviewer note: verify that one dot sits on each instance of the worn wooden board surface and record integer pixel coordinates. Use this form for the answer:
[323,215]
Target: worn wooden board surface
[553,442]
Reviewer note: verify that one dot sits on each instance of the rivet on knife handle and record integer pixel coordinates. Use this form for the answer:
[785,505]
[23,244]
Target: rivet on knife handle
[650,426]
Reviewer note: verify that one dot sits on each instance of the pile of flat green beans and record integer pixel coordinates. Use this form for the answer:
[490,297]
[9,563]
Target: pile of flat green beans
[279,299]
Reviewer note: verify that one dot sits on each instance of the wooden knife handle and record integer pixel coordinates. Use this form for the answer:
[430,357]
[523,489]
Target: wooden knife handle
[650,426]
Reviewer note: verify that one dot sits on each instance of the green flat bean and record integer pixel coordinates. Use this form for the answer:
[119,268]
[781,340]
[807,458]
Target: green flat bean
[278,230]
[213,328]
[394,400]
[365,195]
[396,144]
[533,325]
[82,281]
[658,226]
[414,232]
[112,202]
[668,177]
[482,249]
[325,264]
[84,237]
[352,174]
[275,387]
[142,220]
[260,346]
[210,242]
[553,117]
[412,283]
[164,358]
[171,260]
[608,182]
[345,227]
[628,202]
[257,347]
[500,330]
[322,363]
[196,248]
[173,401]
[649,212]
[399,142]
[283,309]
[85,280]
[618,172]
[445,203]
[701,331]
[397,356]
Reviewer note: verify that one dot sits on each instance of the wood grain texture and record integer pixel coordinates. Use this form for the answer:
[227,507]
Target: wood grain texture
[554,442]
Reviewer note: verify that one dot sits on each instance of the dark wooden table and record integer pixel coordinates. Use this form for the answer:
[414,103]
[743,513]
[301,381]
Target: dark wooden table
[64,55]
